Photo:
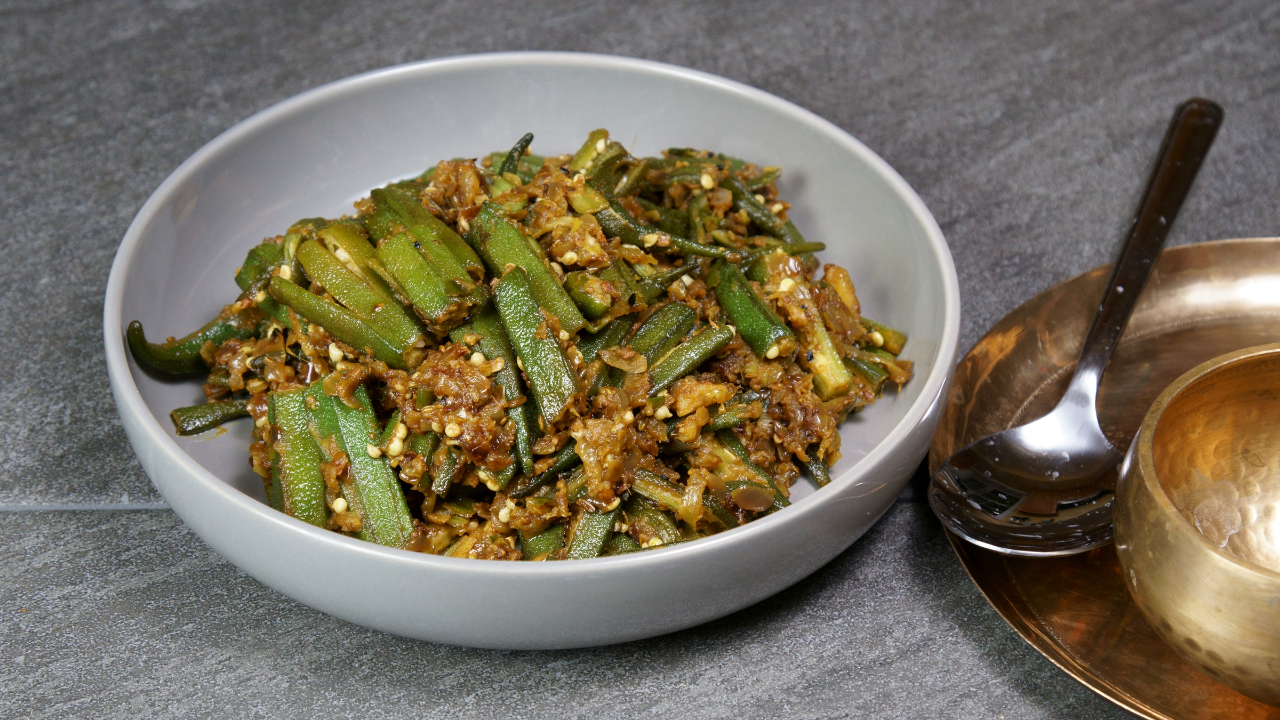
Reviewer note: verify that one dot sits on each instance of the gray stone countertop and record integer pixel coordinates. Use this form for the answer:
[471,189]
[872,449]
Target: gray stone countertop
[1026,127]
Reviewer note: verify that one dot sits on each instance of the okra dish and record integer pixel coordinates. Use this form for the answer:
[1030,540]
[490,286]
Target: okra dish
[540,358]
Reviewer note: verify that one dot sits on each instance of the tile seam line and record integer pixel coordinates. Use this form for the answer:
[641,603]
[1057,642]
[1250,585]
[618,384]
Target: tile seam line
[83,507]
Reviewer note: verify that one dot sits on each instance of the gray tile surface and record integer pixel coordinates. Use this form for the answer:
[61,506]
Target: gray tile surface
[1026,127]
[127,614]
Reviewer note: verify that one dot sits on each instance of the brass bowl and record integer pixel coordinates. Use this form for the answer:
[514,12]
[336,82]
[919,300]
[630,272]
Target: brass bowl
[1219,422]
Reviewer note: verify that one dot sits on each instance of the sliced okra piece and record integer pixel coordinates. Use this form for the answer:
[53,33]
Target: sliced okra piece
[640,510]
[589,292]
[563,460]
[258,262]
[761,328]
[891,340]
[297,483]
[688,356]
[449,472]
[512,162]
[182,356]
[376,493]
[818,470]
[440,301]
[435,239]
[493,343]
[596,142]
[733,446]
[375,308]
[546,369]
[609,336]
[541,545]
[670,220]
[502,244]
[198,418]
[590,533]
[661,332]
[771,224]
[338,321]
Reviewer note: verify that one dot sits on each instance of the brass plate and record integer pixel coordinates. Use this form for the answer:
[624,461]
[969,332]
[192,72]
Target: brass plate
[1203,300]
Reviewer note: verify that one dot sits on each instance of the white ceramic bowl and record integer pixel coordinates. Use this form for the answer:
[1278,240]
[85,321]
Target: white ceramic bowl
[316,153]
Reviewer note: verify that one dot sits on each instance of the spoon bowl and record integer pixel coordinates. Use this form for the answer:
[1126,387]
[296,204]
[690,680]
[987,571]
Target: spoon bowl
[1047,488]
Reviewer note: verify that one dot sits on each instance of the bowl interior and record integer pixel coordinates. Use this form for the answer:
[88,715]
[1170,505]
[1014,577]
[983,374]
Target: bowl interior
[317,153]
[1216,453]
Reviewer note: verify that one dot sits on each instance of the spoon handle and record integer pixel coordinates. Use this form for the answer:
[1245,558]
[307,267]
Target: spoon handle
[1191,132]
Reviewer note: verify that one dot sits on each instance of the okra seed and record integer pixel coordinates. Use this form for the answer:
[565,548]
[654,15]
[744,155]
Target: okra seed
[262,295]
[339,505]
[876,338]
[707,181]
[772,352]
[373,450]
[786,285]
[613,505]
[650,239]
[473,525]
[759,198]
[686,280]
[662,413]
[564,336]
[776,208]
[498,364]
[437,427]
[520,363]
[395,448]
[402,431]
[601,145]
[286,273]
[260,422]
[504,515]
[453,430]
[629,417]
[463,225]
[477,358]
[569,258]
[335,353]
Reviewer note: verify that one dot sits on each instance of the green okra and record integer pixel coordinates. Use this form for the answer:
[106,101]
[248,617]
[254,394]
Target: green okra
[771,224]
[591,533]
[440,301]
[894,340]
[688,356]
[609,336]
[338,321]
[761,328]
[730,444]
[541,545]
[449,472]
[589,292]
[546,369]
[198,418]
[566,458]
[512,162]
[258,262]
[297,483]
[371,305]
[501,244]
[182,356]
[493,343]
[373,490]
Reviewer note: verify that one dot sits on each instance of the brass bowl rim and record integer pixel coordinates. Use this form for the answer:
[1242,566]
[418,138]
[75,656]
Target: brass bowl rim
[1145,442]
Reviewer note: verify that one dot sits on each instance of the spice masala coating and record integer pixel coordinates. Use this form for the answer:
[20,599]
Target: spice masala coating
[541,358]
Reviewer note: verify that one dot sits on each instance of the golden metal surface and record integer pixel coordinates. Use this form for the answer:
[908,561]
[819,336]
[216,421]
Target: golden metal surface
[1203,300]
[1208,443]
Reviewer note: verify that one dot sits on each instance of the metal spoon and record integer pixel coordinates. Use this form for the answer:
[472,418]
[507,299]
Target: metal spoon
[1046,488]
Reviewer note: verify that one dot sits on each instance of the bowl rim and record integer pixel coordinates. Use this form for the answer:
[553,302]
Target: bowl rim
[131,405]
[1145,445]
